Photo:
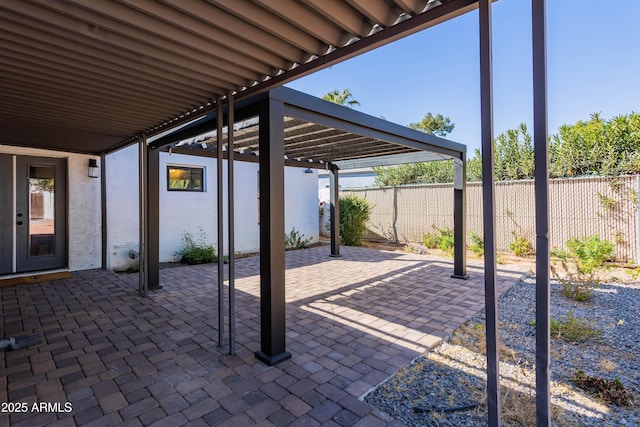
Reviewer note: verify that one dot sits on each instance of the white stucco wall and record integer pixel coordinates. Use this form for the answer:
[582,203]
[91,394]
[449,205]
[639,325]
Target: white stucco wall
[122,206]
[191,212]
[83,207]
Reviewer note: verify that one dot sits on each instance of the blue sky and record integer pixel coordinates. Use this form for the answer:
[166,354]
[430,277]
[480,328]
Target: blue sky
[593,60]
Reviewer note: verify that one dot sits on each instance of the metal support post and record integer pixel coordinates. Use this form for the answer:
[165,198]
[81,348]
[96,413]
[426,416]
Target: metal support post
[460,218]
[489,209]
[541,175]
[219,143]
[143,274]
[334,209]
[231,224]
[103,210]
[272,250]
[153,220]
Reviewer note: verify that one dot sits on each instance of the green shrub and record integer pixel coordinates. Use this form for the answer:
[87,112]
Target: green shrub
[581,264]
[590,252]
[441,238]
[295,240]
[354,214]
[198,252]
[477,244]
[431,240]
[573,329]
[521,246]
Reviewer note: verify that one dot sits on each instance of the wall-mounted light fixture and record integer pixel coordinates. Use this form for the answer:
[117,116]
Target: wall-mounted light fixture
[94,171]
[308,170]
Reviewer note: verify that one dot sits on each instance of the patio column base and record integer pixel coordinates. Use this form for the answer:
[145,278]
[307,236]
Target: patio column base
[273,360]
[335,255]
[155,288]
[460,276]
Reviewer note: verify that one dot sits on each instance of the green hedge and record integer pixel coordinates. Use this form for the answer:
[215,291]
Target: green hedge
[354,214]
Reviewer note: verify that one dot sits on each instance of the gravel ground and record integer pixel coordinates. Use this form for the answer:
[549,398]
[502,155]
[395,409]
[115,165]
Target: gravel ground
[453,375]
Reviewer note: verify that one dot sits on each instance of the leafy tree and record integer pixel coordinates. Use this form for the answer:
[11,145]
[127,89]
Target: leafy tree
[597,147]
[474,167]
[344,97]
[513,157]
[434,125]
[414,173]
[425,172]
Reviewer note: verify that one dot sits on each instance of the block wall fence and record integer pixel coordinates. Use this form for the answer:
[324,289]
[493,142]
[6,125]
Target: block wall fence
[607,206]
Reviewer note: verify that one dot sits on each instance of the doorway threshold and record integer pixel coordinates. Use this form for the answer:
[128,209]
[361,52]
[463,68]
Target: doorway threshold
[34,277]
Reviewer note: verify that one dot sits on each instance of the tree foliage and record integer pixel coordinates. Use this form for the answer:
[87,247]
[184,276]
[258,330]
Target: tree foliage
[594,147]
[344,97]
[424,172]
[513,157]
[434,125]
[415,173]
[597,147]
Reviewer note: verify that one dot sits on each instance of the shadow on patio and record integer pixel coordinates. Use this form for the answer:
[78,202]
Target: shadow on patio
[351,323]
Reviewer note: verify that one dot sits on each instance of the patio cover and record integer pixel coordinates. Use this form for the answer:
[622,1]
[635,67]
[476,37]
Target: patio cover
[90,76]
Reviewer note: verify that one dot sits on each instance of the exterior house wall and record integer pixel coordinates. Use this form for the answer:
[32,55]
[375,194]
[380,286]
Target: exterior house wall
[83,207]
[196,212]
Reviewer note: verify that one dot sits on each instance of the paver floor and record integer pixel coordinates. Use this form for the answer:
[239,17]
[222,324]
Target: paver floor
[120,359]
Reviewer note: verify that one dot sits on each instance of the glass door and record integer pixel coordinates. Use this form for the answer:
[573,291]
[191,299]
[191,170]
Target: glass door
[40,213]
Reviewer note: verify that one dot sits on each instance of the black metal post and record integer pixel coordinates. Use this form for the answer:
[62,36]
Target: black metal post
[152,224]
[272,250]
[540,132]
[460,218]
[334,209]
[489,222]
[231,224]
[103,210]
[143,274]
[219,142]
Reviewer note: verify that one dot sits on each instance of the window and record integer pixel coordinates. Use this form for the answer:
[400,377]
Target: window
[185,178]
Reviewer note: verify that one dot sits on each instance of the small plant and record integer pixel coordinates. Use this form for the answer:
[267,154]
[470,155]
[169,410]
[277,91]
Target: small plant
[196,252]
[354,214]
[634,273]
[441,238]
[609,391]
[477,244]
[521,246]
[581,264]
[431,240]
[295,240]
[608,203]
[573,329]
[135,268]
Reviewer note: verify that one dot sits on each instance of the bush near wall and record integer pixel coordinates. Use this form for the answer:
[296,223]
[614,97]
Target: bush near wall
[354,214]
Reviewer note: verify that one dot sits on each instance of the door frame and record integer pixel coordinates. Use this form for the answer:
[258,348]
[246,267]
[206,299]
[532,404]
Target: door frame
[20,261]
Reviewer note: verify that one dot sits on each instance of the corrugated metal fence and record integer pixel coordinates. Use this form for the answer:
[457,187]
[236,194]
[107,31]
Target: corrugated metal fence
[579,207]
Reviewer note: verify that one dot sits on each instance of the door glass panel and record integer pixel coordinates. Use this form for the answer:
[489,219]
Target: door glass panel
[41,211]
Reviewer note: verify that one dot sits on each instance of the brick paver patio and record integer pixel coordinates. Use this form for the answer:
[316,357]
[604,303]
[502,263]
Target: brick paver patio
[120,359]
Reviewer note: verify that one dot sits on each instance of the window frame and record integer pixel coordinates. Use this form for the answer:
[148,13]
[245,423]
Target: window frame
[190,168]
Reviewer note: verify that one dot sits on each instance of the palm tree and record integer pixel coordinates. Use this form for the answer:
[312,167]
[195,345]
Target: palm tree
[341,98]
